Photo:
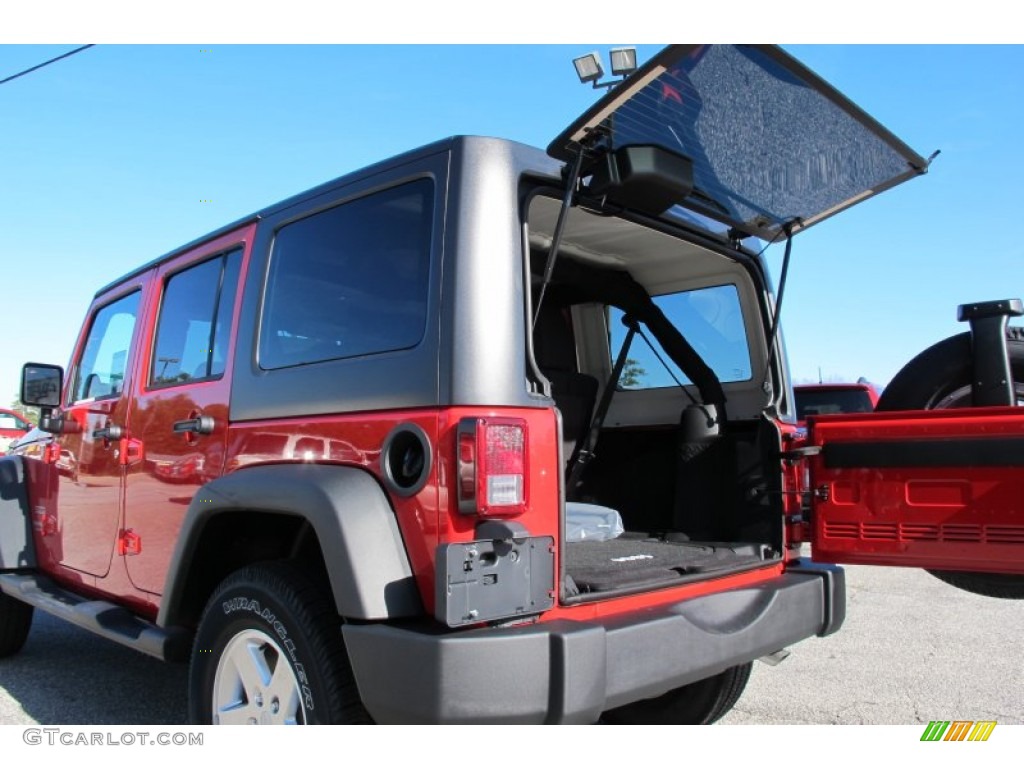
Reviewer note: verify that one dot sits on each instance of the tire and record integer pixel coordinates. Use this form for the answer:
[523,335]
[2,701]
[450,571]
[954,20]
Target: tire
[940,377]
[1009,586]
[258,618]
[699,703]
[15,622]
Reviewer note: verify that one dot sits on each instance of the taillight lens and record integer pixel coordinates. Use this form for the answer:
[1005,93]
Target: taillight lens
[492,466]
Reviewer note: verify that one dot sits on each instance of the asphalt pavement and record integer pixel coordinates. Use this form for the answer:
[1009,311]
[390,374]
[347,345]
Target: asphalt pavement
[913,649]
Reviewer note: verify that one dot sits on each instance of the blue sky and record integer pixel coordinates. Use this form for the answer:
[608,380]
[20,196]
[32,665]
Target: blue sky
[106,159]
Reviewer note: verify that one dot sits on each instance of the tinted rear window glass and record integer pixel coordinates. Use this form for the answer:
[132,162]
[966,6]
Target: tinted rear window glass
[819,402]
[351,280]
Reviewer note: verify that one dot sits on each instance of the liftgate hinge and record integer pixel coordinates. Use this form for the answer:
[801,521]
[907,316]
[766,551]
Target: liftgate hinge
[798,454]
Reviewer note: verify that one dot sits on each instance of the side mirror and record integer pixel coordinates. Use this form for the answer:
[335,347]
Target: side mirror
[41,385]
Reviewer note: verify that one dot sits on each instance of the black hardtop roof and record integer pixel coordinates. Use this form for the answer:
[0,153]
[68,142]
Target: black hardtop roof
[535,158]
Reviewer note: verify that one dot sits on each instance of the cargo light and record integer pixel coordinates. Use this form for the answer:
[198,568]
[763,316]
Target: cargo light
[491,466]
[590,70]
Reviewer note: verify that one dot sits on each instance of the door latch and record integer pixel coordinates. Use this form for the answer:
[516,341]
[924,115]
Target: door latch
[109,432]
[200,425]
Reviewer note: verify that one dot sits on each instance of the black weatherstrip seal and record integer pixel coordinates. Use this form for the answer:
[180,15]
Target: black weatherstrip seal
[933,452]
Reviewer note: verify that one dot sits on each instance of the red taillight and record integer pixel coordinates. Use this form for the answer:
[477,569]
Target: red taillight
[491,466]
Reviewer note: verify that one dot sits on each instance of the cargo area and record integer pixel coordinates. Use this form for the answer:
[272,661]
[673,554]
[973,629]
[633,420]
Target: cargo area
[690,510]
[677,451]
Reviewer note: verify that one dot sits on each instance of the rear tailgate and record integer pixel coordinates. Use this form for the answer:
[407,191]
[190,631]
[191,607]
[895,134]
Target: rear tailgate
[928,489]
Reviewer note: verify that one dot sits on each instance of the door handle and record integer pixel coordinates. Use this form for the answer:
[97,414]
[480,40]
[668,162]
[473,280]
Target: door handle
[109,432]
[200,425]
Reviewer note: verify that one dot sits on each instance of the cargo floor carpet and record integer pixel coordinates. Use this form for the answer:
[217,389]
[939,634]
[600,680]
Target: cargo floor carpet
[600,566]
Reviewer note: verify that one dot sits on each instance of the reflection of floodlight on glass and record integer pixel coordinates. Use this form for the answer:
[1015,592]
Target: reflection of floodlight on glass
[623,61]
[590,70]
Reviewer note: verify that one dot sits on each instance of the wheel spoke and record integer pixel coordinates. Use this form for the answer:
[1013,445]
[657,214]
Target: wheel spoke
[284,689]
[240,714]
[253,667]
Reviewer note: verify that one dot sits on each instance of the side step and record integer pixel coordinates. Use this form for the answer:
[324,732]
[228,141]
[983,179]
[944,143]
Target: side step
[105,619]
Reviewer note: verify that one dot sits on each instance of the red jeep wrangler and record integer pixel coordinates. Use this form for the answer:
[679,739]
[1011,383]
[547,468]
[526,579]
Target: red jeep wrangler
[487,434]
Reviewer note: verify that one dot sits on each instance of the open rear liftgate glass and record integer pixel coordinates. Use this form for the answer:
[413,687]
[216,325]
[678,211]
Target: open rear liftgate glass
[930,489]
[769,145]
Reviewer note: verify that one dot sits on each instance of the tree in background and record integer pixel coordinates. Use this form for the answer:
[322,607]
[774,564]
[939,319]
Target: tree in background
[632,374]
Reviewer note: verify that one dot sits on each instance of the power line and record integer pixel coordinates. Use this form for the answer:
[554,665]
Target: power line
[45,63]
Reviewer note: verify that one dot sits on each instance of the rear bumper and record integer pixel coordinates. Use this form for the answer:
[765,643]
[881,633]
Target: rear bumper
[571,671]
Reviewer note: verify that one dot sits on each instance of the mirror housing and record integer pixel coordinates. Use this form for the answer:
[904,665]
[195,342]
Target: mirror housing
[41,386]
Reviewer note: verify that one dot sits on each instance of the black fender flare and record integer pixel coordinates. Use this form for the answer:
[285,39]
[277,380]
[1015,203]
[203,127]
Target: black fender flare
[17,547]
[348,510]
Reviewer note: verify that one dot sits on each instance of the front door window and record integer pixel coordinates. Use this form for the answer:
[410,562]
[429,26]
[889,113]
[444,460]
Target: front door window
[101,372]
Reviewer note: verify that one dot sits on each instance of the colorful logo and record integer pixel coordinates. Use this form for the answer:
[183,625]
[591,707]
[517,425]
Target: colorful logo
[958,730]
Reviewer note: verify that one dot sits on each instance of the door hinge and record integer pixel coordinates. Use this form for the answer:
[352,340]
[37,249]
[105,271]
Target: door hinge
[801,453]
[131,451]
[129,543]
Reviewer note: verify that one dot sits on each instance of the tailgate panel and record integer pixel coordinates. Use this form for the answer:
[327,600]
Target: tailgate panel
[929,489]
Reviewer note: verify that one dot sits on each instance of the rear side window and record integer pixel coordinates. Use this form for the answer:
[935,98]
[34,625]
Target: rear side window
[194,323]
[817,402]
[351,280]
[709,318]
[101,370]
